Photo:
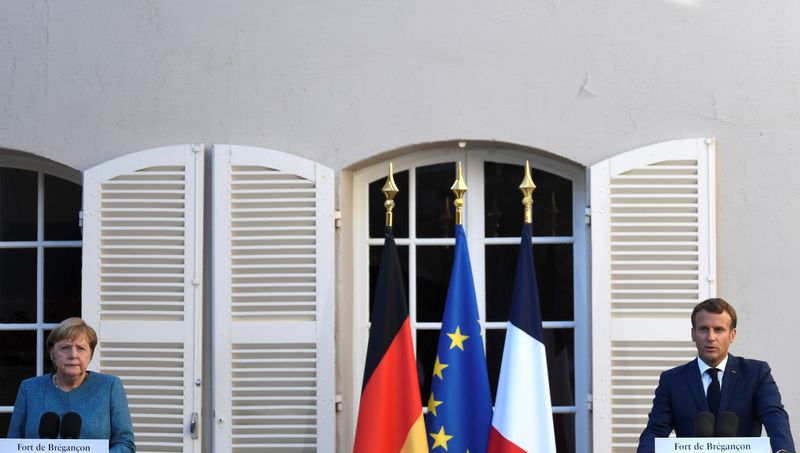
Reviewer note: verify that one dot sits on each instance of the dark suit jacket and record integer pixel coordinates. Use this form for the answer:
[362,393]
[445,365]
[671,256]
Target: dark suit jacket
[748,390]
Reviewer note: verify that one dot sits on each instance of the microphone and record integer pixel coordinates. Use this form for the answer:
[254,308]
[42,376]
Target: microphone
[71,426]
[727,424]
[48,425]
[704,424]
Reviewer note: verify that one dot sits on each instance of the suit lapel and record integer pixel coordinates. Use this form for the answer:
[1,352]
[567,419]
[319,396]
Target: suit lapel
[730,376]
[691,373]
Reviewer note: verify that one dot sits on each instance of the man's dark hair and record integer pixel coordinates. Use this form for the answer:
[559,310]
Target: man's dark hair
[715,305]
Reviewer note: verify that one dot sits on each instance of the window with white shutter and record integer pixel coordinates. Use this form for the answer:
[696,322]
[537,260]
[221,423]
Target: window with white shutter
[653,259]
[273,275]
[141,286]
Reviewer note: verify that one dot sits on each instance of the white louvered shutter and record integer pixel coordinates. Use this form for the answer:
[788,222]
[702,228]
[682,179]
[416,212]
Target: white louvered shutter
[273,302]
[653,259]
[142,250]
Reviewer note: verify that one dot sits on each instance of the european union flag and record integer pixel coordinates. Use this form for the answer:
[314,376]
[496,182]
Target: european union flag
[460,404]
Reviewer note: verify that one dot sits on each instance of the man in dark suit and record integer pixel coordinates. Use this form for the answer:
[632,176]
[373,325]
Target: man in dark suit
[717,382]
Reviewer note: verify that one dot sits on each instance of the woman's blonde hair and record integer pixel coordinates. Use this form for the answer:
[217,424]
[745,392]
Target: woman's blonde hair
[70,329]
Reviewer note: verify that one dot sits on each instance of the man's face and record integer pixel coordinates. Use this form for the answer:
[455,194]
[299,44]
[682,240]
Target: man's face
[712,334]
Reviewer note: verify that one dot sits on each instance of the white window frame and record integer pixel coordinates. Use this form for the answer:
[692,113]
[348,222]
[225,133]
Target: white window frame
[472,160]
[13,159]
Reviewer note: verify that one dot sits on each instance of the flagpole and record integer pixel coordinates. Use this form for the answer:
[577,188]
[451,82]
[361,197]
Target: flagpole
[389,190]
[459,188]
[527,187]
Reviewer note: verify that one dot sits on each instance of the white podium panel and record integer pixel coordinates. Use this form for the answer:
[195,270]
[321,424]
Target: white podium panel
[54,445]
[713,444]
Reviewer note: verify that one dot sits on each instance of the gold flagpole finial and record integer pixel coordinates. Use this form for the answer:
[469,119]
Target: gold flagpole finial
[389,191]
[527,187]
[459,188]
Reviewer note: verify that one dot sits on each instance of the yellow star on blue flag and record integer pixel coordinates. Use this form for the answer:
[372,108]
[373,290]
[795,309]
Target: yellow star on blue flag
[457,340]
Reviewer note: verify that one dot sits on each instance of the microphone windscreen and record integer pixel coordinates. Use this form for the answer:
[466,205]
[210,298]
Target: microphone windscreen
[71,426]
[727,424]
[48,425]
[704,424]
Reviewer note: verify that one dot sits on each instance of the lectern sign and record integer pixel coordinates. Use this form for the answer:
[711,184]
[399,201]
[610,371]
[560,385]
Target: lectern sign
[713,444]
[54,445]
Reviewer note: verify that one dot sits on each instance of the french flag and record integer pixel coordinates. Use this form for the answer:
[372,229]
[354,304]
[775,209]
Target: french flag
[523,419]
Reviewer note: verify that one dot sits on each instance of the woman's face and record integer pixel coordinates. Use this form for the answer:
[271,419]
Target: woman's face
[71,356]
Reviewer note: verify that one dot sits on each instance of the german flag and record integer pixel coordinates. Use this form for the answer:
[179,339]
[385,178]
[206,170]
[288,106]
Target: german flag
[390,413]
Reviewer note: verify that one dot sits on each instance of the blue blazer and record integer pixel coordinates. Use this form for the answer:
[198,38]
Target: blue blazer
[748,390]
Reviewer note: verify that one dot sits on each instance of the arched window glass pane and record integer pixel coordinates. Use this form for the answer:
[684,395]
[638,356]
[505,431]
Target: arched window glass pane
[18,194]
[5,419]
[18,355]
[427,340]
[552,201]
[434,201]
[564,427]
[18,285]
[62,284]
[434,263]
[560,347]
[62,203]
[48,364]
[554,278]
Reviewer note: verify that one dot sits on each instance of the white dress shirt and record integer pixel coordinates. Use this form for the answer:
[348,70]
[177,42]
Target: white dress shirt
[705,377]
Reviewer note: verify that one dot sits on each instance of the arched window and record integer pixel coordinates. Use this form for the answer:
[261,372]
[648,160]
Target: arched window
[40,265]
[424,225]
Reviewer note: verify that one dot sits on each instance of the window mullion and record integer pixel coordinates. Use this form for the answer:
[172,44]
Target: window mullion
[475,229]
[412,253]
[42,244]
[40,274]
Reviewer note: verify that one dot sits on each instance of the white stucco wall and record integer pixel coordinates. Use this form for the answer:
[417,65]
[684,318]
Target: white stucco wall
[339,82]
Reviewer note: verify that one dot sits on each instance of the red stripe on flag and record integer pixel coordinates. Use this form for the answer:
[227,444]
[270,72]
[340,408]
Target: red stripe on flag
[499,444]
[390,401]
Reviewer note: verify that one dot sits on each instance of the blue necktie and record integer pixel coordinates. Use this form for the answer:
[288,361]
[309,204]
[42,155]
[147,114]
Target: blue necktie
[713,393]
